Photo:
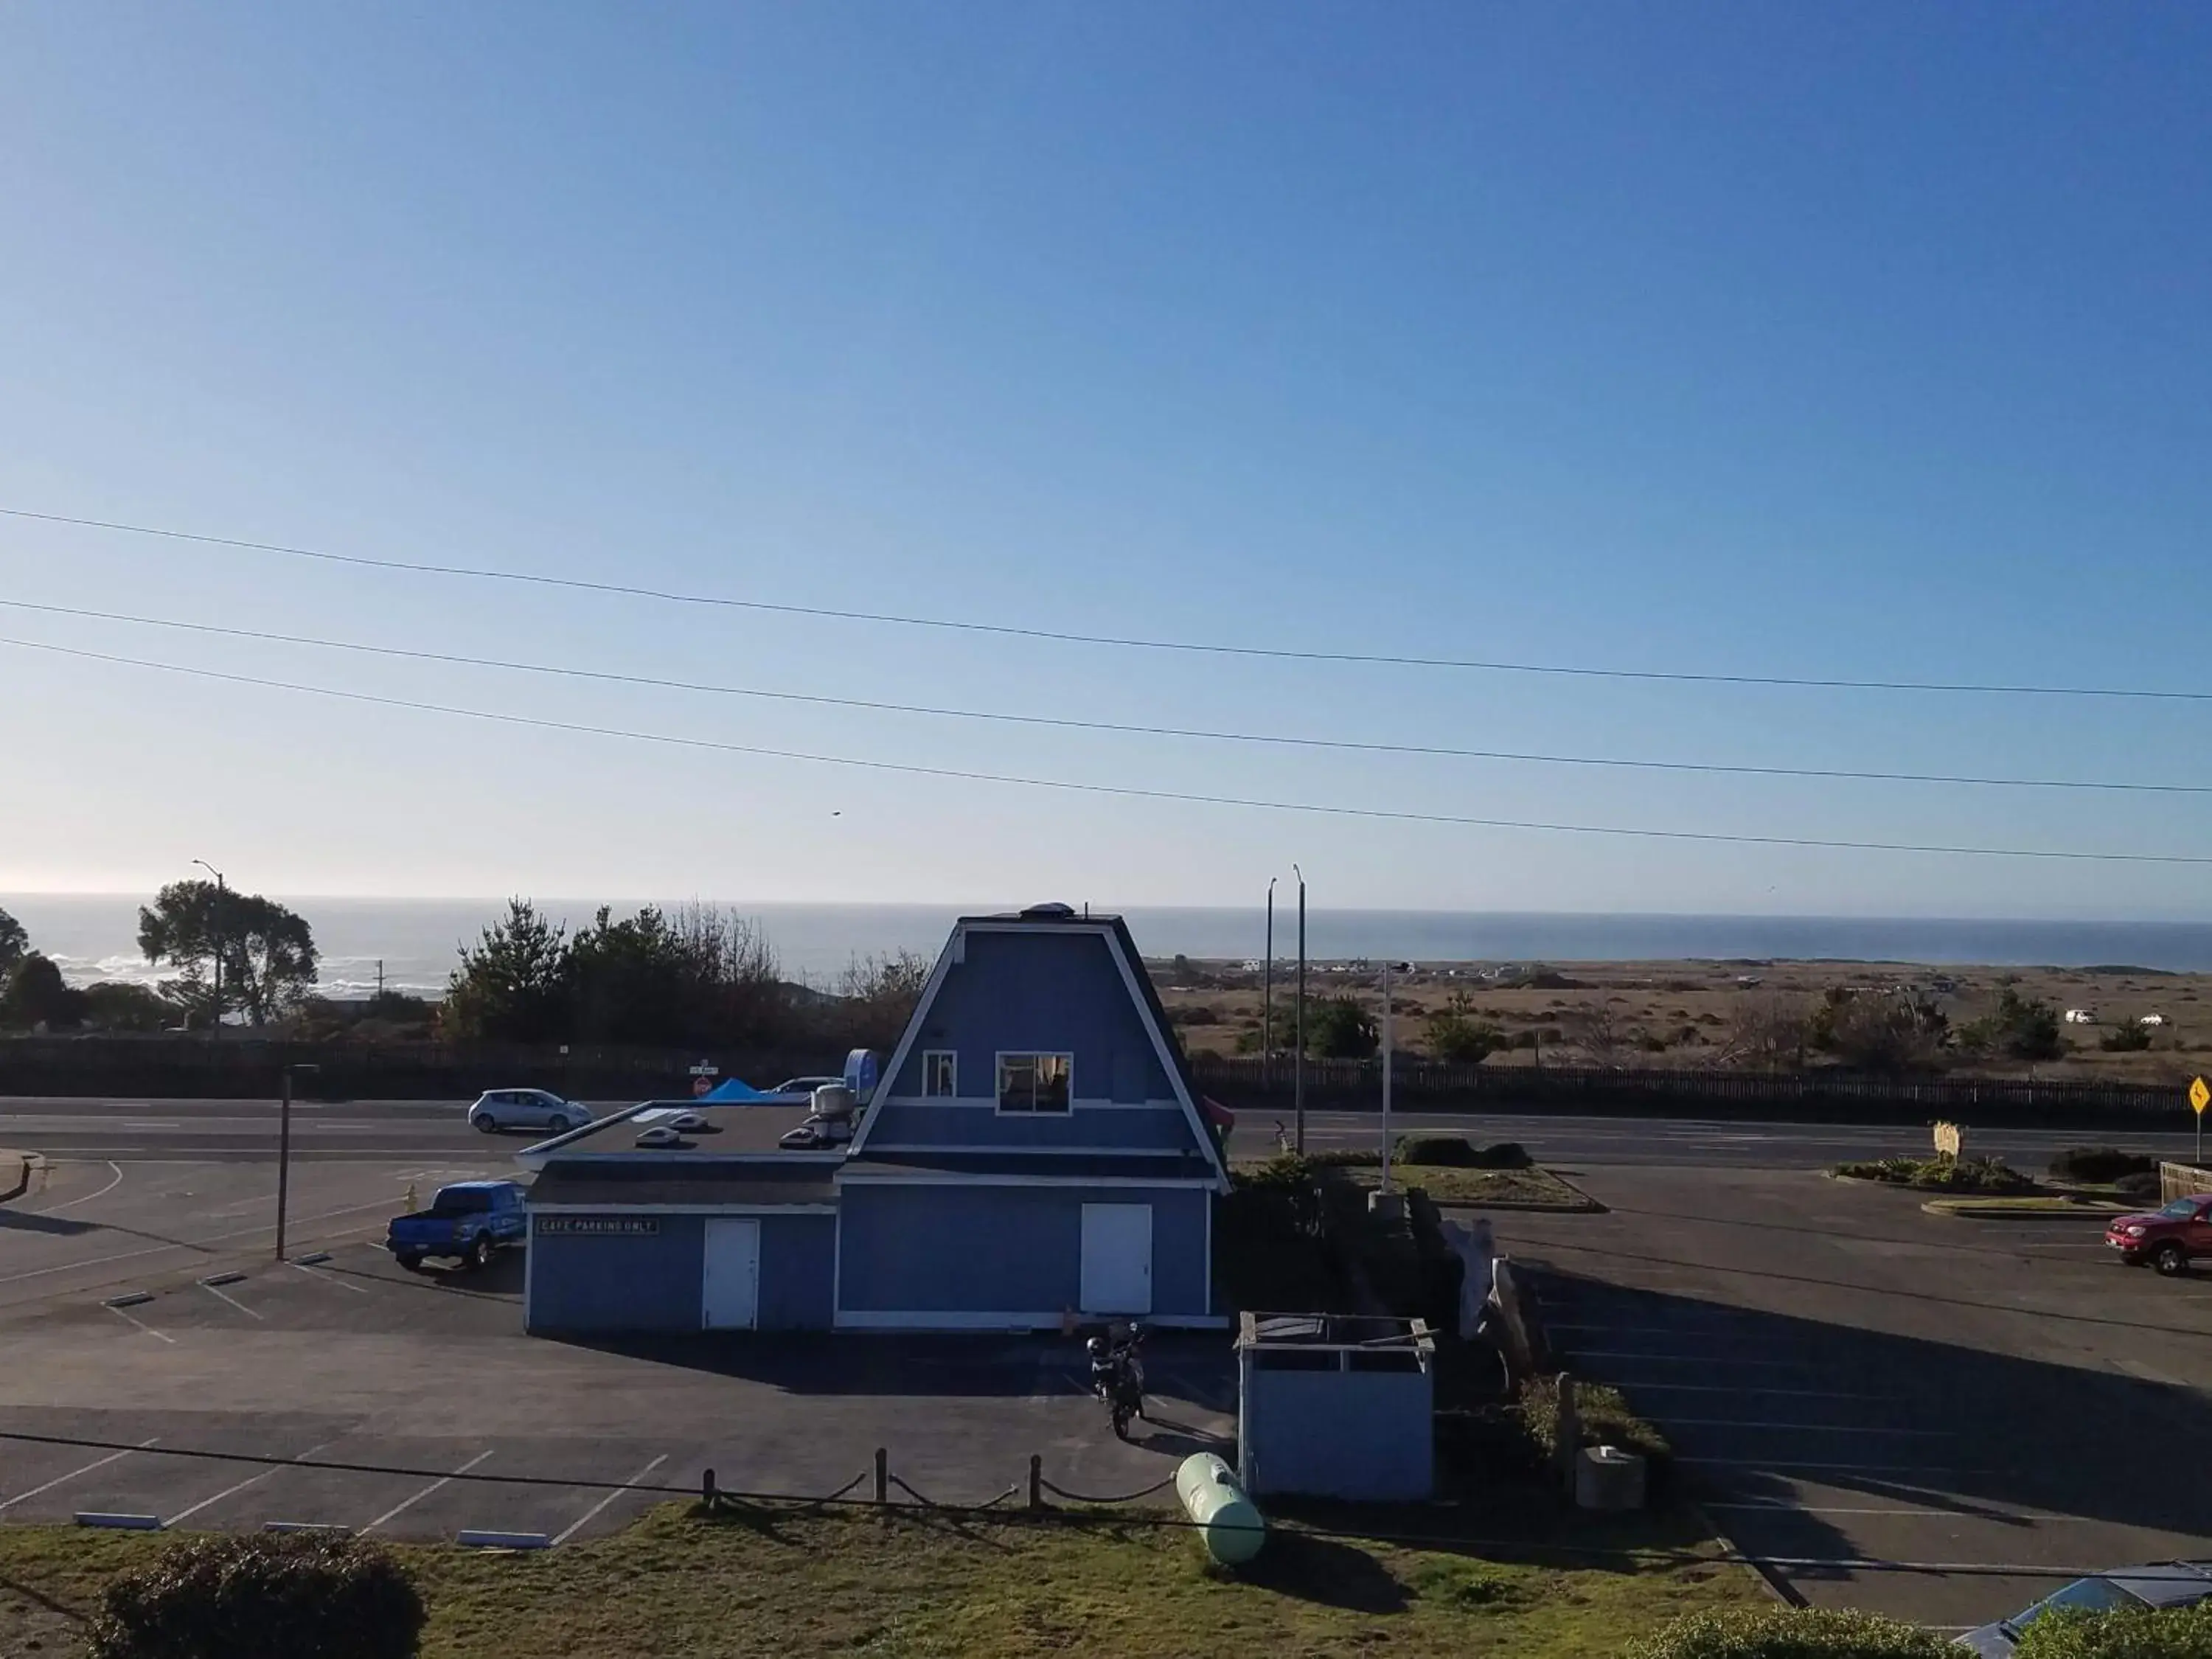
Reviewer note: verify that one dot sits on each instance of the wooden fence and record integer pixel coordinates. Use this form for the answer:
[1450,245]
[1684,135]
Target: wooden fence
[2181,1181]
[1816,1095]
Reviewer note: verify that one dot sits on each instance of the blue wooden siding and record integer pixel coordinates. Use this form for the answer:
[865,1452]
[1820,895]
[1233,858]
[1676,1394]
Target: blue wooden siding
[1041,993]
[913,1248]
[587,1283]
[581,1282]
[798,1271]
[976,1123]
[1365,1436]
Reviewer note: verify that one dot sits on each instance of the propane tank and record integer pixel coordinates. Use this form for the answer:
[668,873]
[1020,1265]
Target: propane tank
[1228,1524]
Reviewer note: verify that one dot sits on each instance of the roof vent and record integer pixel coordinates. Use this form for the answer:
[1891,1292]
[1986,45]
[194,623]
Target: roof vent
[1049,913]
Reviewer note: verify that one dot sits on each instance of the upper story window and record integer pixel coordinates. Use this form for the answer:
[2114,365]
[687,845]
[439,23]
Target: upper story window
[1036,1083]
[940,1072]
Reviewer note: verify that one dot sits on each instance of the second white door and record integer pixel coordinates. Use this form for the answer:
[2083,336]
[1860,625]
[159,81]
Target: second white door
[1117,1258]
[730,1290]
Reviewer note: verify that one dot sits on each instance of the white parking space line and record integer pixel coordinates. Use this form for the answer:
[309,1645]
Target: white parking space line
[63,1480]
[1806,1428]
[578,1524]
[192,1243]
[1708,1361]
[125,1314]
[71,1204]
[444,1480]
[321,1277]
[1782,1466]
[1763,1393]
[222,1296]
[250,1480]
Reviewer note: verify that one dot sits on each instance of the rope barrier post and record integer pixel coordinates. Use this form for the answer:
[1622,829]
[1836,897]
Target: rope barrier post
[883,1476]
[1036,1481]
[707,1489]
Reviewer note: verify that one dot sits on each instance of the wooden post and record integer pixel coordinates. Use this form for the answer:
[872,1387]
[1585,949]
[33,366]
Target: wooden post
[1036,1481]
[706,1495]
[883,1476]
[1566,1431]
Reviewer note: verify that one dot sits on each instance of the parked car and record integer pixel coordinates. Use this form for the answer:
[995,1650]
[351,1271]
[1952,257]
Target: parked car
[467,1222]
[2168,1237]
[2160,1584]
[526,1109]
[799,1090]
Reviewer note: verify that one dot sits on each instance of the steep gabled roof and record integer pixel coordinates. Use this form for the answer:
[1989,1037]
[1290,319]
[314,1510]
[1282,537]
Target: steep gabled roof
[1058,919]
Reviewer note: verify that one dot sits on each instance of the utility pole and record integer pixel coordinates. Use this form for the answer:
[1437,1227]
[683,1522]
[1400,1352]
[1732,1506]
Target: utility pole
[1268,1003]
[1387,1046]
[1298,1060]
[284,1152]
[379,980]
[215,1027]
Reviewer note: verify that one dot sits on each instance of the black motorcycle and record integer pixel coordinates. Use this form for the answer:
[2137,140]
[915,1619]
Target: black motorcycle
[1117,1377]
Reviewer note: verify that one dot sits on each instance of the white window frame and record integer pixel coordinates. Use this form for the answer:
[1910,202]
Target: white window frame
[951,1091]
[999,1082]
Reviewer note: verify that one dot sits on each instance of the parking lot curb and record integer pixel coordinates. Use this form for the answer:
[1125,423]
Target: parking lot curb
[123,1523]
[127,1299]
[27,1165]
[306,1525]
[2000,1210]
[471,1538]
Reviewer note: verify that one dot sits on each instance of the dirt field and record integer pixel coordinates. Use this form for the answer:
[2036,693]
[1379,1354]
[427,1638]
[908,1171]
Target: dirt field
[1691,1013]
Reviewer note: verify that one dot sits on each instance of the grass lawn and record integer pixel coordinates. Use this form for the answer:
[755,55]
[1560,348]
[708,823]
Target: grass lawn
[904,1582]
[1519,1189]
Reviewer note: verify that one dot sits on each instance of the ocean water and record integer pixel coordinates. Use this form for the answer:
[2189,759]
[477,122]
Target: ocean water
[93,936]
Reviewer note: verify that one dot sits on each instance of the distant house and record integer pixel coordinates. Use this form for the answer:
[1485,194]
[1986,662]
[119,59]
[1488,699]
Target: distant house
[1034,1152]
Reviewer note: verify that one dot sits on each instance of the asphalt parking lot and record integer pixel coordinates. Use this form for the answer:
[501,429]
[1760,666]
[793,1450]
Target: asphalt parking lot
[352,1360]
[1847,1379]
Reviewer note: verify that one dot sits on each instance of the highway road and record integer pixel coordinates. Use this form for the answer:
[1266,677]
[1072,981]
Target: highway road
[126,1131]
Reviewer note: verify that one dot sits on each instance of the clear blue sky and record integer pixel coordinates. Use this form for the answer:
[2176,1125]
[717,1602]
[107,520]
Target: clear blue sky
[1864,340]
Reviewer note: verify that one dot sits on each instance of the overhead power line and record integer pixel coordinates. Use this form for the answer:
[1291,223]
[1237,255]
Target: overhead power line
[1260,738]
[1122,791]
[1202,648]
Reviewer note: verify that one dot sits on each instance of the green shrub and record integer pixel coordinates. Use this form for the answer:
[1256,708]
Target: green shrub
[2130,1036]
[2177,1634]
[2100,1163]
[1457,1153]
[1943,1175]
[1790,1633]
[263,1596]
[1606,1420]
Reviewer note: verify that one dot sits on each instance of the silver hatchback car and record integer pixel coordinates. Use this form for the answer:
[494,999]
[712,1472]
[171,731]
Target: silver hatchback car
[526,1109]
[2157,1584]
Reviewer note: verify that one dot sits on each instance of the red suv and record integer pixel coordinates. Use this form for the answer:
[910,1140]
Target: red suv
[2167,1237]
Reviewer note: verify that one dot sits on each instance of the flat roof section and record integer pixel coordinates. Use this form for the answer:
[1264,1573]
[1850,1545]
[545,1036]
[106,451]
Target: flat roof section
[705,1183]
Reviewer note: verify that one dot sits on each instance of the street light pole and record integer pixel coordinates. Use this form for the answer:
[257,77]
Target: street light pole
[284,1152]
[1268,1003]
[1389,1043]
[214,1026]
[1298,1059]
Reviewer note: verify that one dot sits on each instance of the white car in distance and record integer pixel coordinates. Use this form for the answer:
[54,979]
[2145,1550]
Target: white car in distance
[526,1109]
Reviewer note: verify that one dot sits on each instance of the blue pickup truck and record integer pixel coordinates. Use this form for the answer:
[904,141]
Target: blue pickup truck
[467,1222]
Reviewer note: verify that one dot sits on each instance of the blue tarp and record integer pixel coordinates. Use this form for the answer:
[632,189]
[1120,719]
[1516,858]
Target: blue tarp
[735,1089]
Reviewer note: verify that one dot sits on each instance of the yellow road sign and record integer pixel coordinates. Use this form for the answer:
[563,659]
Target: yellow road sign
[2199,1097]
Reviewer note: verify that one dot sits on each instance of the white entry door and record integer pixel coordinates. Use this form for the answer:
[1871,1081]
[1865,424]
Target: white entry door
[730,1293]
[1117,1258]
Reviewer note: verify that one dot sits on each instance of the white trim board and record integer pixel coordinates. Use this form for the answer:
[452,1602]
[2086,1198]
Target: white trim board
[989,1103]
[850,1176]
[703,1209]
[1004,1149]
[945,957]
[847,1319]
